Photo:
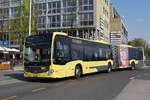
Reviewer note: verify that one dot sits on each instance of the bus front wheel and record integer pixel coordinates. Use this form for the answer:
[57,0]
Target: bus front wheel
[78,72]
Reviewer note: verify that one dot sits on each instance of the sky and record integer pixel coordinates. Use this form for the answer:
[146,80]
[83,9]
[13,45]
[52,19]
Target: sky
[136,15]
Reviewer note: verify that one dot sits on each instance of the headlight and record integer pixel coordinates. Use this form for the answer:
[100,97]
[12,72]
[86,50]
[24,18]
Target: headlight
[50,72]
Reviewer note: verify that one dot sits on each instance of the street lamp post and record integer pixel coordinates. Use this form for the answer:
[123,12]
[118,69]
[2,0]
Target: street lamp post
[30,12]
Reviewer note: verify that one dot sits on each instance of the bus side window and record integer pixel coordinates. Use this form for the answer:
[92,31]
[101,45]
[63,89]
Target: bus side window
[102,54]
[76,52]
[95,54]
[88,53]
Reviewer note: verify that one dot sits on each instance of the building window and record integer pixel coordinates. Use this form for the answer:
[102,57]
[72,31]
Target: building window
[42,9]
[86,19]
[54,21]
[42,22]
[40,1]
[14,12]
[14,3]
[105,12]
[54,7]
[69,20]
[4,3]
[69,6]
[4,13]
[85,5]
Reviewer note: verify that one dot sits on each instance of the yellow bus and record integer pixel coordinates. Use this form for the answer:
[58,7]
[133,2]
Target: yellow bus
[126,56]
[58,55]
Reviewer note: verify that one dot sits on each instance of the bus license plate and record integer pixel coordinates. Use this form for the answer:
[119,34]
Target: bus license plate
[35,75]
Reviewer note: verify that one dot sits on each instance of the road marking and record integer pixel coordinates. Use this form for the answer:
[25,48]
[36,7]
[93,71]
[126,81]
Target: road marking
[133,74]
[132,78]
[59,84]
[10,98]
[146,67]
[37,90]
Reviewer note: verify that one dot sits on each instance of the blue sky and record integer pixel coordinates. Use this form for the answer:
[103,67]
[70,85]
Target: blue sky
[136,16]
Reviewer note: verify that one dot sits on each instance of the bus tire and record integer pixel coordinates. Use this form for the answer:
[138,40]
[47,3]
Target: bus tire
[109,69]
[78,72]
[133,66]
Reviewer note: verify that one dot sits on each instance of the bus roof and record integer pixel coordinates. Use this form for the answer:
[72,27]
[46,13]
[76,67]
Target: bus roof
[98,41]
[65,34]
[60,33]
[101,42]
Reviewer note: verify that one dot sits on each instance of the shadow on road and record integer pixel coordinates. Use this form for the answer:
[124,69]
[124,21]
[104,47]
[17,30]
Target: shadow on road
[19,76]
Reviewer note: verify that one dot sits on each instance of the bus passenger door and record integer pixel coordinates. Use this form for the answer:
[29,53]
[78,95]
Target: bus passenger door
[61,56]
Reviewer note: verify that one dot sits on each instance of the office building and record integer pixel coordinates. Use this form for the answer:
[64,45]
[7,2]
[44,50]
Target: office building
[118,29]
[82,18]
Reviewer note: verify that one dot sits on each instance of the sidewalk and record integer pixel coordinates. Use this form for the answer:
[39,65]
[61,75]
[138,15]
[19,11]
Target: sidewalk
[12,75]
[139,86]
[18,67]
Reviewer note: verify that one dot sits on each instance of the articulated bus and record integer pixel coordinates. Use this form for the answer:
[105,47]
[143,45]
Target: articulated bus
[58,55]
[126,56]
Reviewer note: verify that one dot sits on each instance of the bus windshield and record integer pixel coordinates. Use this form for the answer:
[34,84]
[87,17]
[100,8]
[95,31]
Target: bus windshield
[38,49]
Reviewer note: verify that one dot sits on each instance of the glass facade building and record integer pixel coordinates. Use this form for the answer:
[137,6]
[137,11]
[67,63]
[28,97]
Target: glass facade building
[75,17]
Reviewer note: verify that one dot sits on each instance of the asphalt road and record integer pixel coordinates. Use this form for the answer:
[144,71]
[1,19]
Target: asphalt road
[118,85]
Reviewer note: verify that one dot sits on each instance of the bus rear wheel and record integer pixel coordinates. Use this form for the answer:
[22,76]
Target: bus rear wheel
[109,69]
[78,72]
[133,66]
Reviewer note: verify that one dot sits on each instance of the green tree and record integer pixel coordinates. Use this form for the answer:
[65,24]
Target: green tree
[148,52]
[19,26]
[139,42]
[3,26]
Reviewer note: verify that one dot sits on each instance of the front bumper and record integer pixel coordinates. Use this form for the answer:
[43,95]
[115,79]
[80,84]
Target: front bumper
[48,74]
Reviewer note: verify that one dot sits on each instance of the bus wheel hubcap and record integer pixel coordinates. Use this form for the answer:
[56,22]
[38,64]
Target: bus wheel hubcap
[78,73]
[109,68]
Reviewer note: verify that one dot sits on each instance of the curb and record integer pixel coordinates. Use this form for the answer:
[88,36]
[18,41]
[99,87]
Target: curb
[10,81]
[14,69]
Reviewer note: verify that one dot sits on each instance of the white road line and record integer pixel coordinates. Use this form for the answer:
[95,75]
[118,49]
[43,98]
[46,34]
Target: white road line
[132,78]
[37,90]
[10,98]
[146,67]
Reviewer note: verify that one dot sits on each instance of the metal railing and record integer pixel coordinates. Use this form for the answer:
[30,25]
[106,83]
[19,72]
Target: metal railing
[144,63]
[147,62]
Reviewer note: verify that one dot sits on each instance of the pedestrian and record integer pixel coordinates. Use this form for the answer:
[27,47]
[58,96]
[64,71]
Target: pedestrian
[13,61]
